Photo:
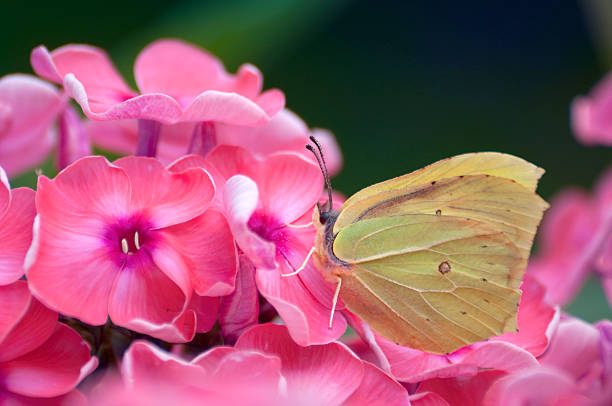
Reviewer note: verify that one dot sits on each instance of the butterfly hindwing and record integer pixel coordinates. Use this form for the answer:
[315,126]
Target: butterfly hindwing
[430,282]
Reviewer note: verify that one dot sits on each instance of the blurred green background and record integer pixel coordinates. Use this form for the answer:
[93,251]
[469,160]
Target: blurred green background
[401,84]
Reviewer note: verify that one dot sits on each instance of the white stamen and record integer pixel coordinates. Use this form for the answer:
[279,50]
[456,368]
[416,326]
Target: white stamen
[124,245]
[297,271]
[136,240]
[298,225]
[335,302]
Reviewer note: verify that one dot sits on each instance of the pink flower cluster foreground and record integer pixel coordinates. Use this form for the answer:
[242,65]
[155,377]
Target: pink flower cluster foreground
[170,275]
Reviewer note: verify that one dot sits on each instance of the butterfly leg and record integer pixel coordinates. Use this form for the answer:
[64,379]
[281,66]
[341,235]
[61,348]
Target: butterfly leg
[297,271]
[335,301]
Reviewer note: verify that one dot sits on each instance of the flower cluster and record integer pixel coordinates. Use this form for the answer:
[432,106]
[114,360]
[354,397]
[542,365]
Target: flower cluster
[169,276]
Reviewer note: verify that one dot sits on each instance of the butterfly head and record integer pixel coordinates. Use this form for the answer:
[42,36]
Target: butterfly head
[324,209]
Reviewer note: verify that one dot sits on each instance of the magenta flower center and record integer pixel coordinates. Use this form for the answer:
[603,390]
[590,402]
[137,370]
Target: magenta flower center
[129,236]
[270,229]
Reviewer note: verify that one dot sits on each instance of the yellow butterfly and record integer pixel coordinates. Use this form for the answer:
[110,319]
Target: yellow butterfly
[433,260]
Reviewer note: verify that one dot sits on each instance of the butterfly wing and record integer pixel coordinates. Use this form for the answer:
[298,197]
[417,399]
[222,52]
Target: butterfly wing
[480,163]
[435,283]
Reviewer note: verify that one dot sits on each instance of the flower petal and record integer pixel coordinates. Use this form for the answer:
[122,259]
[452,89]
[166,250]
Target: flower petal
[377,388]
[241,197]
[240,309]
[29,107]
[145,363]
[206,310]
[323,374]
[307,320]
[537,319]
[14,303]
[537,386]
[288,185]
[54,368]
[176,68]
[16,234]
[72,274]
[166,198]
[574,348]
[156,106]
[464,391]
[230,108]
[147,300]
[207,245]
[33,329]
[90,65]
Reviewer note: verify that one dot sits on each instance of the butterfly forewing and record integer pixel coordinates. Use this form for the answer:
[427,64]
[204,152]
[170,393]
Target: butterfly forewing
[482,163]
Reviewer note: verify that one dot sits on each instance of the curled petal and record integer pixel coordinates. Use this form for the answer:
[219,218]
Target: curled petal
[89,64]
[241,198]
[155,106]
[307,320]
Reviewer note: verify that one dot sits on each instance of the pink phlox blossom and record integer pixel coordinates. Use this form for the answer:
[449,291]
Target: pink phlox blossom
[284,132]
[269,202]
[132,241]
[17,213]
[576,238]
[178,82]
[39,357]
[29,110]
[576,369]
[591,116]
[266,367]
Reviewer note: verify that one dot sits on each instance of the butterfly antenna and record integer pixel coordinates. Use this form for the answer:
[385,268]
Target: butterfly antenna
[323,167]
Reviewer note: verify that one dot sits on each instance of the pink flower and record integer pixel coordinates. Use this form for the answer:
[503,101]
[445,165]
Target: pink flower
[264,368]
[507,353]
[17,213]
[576,238]
[178,83]
[264,200]
[575,370]
[284,132]
[39,357]
[591,116]
[323,374]
[220,376]
[130,240]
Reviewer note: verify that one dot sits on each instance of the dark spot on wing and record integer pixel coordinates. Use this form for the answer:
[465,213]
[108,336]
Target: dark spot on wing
[486,300]
[463,312]
[444,267]
[433,182]
[461,176]
[484,279]
[483,246]
[438,212]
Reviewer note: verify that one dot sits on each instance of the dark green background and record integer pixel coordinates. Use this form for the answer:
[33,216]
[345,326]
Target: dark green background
[401,84]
